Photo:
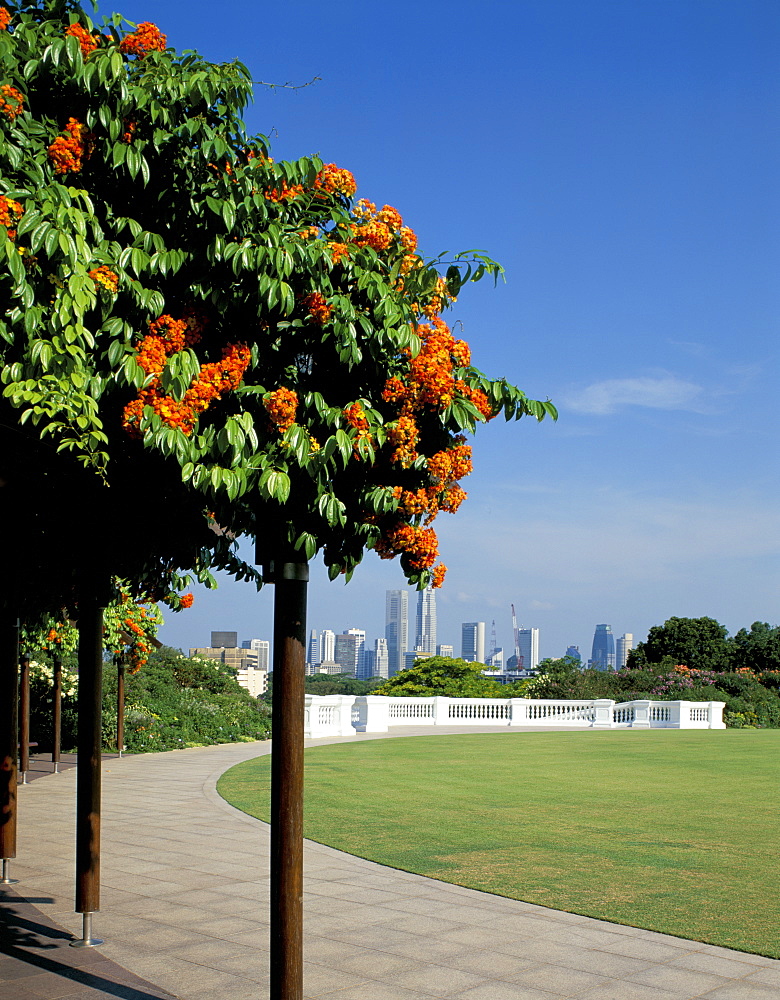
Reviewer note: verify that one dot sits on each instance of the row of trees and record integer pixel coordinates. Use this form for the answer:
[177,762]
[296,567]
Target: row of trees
[704,644]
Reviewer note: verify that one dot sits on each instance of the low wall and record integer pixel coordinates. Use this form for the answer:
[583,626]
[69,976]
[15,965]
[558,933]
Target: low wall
[345,715]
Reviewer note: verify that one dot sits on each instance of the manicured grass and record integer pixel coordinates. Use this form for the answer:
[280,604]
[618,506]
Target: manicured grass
[676,831]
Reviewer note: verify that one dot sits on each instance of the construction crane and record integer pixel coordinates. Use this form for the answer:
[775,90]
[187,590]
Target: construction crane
[516,633]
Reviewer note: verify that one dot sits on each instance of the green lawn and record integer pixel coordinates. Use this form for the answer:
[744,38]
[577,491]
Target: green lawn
[676,831]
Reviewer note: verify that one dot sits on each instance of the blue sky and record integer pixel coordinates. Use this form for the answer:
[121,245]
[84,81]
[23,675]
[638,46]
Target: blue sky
[621,161]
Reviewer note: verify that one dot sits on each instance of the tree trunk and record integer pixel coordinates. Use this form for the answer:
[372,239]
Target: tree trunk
[290,579]
[9,731]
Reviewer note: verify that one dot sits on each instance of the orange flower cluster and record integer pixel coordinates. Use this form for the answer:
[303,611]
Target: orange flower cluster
[5,18]
[383,229]
[338,251]
[432,384]
[334,180]
[168,336]
[186,601]
[403,436]
[319,310]
[355,416]
[11,102]
[69,154]
[448,466]
[147,37]
[129,133]
[213,382]
[420,545]
[285,193]
[106,278]
[86,40]
[10,213]
[281,406]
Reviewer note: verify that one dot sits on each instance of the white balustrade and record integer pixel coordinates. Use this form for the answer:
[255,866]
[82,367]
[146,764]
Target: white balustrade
[328,715]
[344,715]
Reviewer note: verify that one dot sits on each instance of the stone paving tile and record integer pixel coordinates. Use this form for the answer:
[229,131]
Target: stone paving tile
[622,990]
[730,968]
[684,982]
[506,991]
[741,991]
[767,977]
[555,978]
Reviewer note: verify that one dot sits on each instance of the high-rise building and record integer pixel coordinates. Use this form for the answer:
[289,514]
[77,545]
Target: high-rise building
[327,646]
[227,639]
[624,646]
[529,647]
[603,654]
[262,648]
[375,661]
[426,621]
[445,650]
[574,653]
[349,651]
[472,642]
[313,651]
[396,628]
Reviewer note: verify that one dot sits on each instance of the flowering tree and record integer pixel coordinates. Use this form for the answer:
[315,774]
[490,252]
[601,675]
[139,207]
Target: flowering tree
[194,335]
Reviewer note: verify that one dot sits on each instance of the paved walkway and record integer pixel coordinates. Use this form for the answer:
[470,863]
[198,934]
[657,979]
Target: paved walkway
[185,901]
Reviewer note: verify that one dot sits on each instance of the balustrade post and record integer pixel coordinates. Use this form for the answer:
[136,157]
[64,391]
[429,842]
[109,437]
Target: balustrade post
[641,714]
[441,710]
[603,715]
[716,714]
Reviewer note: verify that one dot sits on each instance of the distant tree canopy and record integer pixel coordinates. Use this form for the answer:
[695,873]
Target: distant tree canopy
[340,684]
[442,675]
[198,343]
[704,644]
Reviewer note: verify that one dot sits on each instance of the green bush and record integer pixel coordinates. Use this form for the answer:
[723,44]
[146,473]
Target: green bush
[174,701]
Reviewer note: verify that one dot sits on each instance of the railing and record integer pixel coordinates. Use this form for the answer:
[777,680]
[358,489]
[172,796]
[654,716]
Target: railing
[344,715]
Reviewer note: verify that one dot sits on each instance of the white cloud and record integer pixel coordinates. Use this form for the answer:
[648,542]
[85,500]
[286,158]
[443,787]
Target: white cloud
[666,392]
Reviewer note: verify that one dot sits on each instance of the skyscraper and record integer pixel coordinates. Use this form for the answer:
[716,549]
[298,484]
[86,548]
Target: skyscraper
[375,660]
[313,652]
[574,653]
[396,628]
[327,646]
[349,651]
[426,621]
[472,642]
[624,646]
[603,654]
[529,647]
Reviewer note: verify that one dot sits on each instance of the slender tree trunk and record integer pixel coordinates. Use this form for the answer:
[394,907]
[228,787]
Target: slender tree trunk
[9,732]
[56,711]
[89,739]
[120,703]
[24,715]
[287,781]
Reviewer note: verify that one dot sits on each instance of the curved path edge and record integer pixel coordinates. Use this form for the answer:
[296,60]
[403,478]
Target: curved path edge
[185,900]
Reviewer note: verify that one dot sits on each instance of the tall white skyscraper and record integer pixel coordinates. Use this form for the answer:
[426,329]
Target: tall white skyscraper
[426,621]
[327,646]
[396,628]
[624,645]
[529,647]
[375,661]
[472,642]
